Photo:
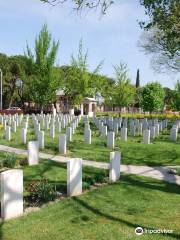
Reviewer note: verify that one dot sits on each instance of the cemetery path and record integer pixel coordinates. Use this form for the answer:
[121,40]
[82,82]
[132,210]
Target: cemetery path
[156,172]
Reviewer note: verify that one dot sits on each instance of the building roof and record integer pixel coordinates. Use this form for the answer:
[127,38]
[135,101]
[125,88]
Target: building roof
[87,99]
[60,92]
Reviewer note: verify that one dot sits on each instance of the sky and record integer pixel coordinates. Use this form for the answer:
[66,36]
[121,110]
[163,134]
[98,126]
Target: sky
[112,38]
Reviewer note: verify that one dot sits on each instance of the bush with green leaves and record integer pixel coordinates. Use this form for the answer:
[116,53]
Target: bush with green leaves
[41,190]
[10,161]
[152,97]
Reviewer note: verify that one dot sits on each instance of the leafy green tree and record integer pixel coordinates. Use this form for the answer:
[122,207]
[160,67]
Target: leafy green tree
[161,38]
[164,15]
[169,98]
[152,97]
[13,68]
[123,91]
[79,82]
[44,82]
[176,97]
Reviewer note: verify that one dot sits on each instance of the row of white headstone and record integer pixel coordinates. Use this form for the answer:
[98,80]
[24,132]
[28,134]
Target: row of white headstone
[174,131]
[11,182]
[149,128]
[54,123]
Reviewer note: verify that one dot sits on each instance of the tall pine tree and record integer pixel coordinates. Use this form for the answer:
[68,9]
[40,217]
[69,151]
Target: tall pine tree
[137,79]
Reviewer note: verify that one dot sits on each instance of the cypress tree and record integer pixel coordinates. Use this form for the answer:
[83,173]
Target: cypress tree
[137,79]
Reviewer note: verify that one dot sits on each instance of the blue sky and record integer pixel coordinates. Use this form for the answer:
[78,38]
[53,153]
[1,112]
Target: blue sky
[112,37]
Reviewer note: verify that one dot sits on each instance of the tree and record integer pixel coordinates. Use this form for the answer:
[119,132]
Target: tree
[162,33]
[124,91]
[84,4]
[151,43]
[44,83]
[152,97]
[79,82]
[164,15]
[176,97]
[137,79]
[169,98]
[13,68]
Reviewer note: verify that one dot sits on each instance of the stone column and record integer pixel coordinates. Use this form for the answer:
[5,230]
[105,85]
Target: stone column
[33,153]
[114,168]
[82,109]
[11,182]
[74,177]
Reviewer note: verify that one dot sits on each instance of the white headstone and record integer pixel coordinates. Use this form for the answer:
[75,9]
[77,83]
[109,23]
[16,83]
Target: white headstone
[69,134]
[146,136]
[8,133]
[74,177]
[110,139]
[11,193]
[87,136]
[114,168]
[52,131]
[62,143]
[124,134]
[33,153]
[41,139]
[104,131]
[23,135]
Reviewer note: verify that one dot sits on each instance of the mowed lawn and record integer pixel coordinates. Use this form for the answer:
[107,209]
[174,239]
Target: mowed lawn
[110,212]
[160,152]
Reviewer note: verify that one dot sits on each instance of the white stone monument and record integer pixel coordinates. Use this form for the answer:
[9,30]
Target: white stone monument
[11,199]
[62,143]
[111,139]
[33,153]
[8,133]
[114,167]
[41,139]
[74,177]
[87,136]
[124,134]
[23,135]
[146,136]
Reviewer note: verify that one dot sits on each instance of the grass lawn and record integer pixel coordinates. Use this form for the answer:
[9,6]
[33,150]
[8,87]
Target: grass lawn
[56,173]
[110,212]
[159,153]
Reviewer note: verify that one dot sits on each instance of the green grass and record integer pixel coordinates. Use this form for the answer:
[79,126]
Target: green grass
[56,173]
[160,152]
[109,212]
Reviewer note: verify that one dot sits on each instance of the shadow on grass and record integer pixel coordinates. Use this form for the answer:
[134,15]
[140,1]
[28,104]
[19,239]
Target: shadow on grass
[129,180]
[153,184]
[116,219]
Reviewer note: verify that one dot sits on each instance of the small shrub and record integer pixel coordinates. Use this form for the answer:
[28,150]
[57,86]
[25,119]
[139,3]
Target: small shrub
[10,161]
[41,190]
[23,162]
